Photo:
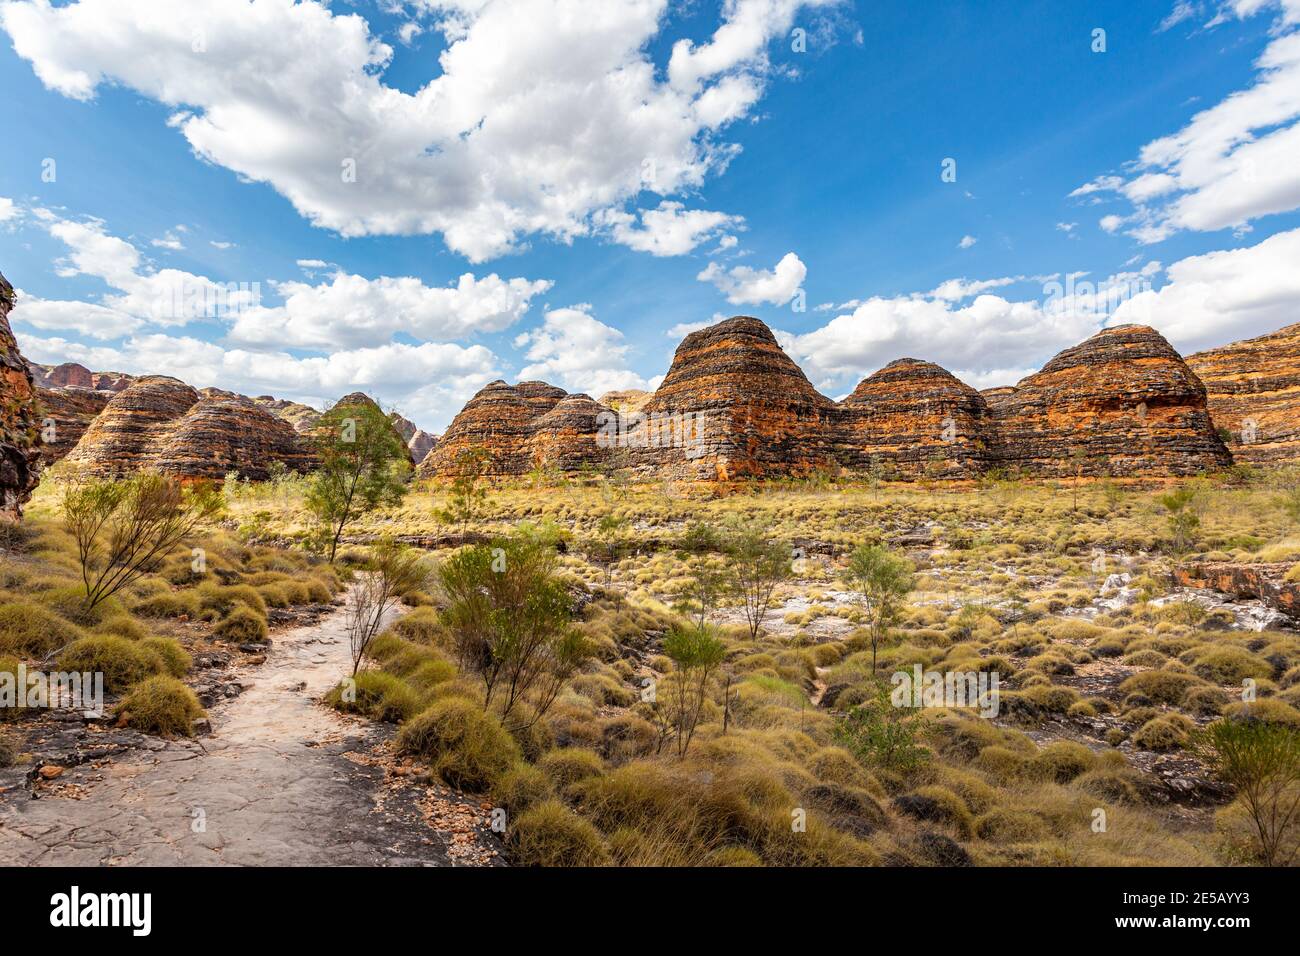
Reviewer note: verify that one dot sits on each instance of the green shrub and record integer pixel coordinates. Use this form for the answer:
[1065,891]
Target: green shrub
[941,805]
[1166,732]
[376,694]
[421,626]
[169,604]
[1230,665]
[1265,710]
[8,751]
[1004,825]
[160,705]
[33,631]
[570,765]
[123,625]
[1162,686]
[175,660]
[520,788]
[550,834]
[1060,762]
[241,626]
[466,747]
[123,662]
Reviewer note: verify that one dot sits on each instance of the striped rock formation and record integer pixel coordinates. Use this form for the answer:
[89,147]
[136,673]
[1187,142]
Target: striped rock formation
[160,423]
[914,418]
[734,405]
[66,414]
[1254,394]
[1122,403]
[20,422]
[497,422]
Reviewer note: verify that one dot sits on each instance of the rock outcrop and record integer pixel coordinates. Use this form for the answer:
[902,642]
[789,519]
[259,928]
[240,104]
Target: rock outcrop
[498,424]
[1254,395]
[418,442]
[913,419]
[733,405]
[1263,582]
[67,413]
[571,435]
[1122,403]
[20,423]
[218,435]
[74,375]
[162,424]
[302,417]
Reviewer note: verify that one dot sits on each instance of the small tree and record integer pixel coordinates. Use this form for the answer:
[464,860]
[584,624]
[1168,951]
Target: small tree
[363,466]
[509,615]
[469,493]
[608,544]
[882,580]
[1180,508]
[882,735]
[710,580]
[758,565]
[393,571]
[125,529]
[696,653]
[1261,761]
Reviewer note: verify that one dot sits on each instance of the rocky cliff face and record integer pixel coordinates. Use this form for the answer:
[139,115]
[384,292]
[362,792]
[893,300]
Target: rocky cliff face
[734,405]
[418,442]
[1122,403]
[218,435]
[161,423]
[1253,389]
[70,410]
[914,418]
[302,417]
[570,435]
[20,422]
[497,421]
[73,375]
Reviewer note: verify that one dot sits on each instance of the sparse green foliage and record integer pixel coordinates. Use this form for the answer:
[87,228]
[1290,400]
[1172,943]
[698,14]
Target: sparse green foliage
[882,735]
[509,616]
[882,581]
[696,654]
[1184,522]
[125,529]
[468,495]
[393,571]
[758,565]
[1261,761]
[363,466]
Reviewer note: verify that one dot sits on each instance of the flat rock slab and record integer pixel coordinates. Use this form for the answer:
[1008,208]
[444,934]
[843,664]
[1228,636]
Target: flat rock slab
[281,781]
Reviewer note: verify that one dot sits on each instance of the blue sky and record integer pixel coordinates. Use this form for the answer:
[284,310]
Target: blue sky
[559,190]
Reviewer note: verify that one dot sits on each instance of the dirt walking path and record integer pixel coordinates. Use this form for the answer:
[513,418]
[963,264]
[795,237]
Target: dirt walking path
[281,780]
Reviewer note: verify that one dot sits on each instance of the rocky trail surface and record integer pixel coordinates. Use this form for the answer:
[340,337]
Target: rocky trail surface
[281,780]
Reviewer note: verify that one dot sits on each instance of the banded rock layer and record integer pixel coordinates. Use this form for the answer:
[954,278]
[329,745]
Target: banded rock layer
[1254,394]
[498,422]
[162,424]
[1122,403]
[734,405]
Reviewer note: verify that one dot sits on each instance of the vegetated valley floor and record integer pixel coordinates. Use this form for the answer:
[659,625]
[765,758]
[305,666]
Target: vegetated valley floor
[1106,667]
